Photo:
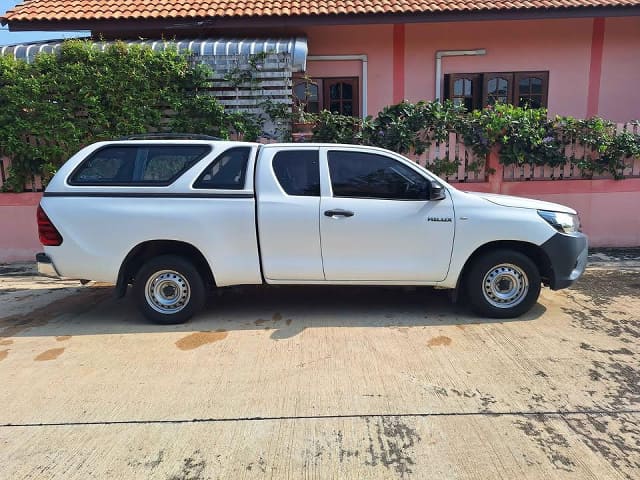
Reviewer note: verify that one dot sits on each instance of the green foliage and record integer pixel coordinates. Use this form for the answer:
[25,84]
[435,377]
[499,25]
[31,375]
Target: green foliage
[523,135]
[411,127]
[610,148]
[279,114]
[62,102]
[444,166]
[330,128]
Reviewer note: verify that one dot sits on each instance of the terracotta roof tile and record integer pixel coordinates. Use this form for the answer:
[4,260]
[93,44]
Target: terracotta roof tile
[140,9]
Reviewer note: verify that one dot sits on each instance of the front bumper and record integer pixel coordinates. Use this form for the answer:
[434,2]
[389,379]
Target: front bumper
[568,256]
[46,268]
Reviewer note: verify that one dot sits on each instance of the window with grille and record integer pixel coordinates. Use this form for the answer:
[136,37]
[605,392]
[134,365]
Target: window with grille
[477,90]
[338,95]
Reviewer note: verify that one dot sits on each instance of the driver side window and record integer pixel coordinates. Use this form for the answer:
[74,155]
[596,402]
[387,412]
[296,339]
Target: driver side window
[368,175]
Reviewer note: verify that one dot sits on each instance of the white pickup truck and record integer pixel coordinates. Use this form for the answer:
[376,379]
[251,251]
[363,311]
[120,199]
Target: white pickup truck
[175,217]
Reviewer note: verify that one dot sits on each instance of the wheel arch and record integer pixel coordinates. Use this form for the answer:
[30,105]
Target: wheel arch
[144,251]
[535,253]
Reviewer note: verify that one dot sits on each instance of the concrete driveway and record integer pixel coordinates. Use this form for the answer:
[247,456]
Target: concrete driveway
[320,383]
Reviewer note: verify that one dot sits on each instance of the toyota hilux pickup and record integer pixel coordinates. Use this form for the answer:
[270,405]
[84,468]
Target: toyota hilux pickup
[175,217]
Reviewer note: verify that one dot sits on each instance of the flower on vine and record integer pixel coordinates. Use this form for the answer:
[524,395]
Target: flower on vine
[547,140]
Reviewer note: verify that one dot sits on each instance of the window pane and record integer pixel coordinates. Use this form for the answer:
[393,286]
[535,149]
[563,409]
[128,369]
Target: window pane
[107,166]
[367,175]
[334,107]
[536,86]
[298,91]
[347,91]
[312,91]
[227,171]
[458,87]
[298,172]
[334,91]
[492,86]
[163,163]
[138,165]
[524,86]
[467,87]
[503,86]
[497,86]
[302,91]
[462,87]
[530,85]
[347,108]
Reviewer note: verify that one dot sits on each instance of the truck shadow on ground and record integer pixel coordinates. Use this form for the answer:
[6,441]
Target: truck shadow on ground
[286,311]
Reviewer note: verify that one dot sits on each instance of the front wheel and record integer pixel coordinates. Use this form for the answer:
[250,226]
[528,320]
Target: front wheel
[502,284]
[168,290]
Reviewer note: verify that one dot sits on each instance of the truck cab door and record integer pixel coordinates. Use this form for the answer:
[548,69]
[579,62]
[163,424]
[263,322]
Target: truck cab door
[288,205]
[377,221]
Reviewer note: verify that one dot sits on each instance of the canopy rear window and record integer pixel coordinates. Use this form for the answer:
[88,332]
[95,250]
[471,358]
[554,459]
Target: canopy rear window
[137,165]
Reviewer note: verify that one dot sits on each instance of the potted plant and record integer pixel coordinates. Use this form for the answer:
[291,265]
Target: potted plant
[302,121]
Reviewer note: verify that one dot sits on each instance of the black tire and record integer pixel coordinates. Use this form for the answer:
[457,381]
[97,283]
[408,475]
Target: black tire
[502,284]
[176,290]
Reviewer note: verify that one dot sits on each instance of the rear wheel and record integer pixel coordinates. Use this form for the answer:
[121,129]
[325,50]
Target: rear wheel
[168,290]
[502,284]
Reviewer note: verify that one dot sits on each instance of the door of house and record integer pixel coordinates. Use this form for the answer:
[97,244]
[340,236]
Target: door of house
[337,95]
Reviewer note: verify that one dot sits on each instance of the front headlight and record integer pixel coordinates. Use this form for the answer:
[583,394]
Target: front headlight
[563,222]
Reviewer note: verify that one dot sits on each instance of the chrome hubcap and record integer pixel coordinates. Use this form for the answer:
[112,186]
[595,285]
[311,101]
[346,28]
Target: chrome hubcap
[167,291]
[505,285]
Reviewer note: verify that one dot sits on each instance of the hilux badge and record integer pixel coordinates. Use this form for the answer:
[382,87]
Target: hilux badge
[438,219]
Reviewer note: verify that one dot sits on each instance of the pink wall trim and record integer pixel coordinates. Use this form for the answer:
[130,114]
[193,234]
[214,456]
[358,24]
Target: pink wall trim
[19,199]
[595,67]
[18,229]
[398,63]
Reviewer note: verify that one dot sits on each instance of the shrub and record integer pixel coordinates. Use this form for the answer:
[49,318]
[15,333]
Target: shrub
[61,102]
[523,135]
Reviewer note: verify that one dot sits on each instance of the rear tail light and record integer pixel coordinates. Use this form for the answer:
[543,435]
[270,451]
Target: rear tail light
[49,234]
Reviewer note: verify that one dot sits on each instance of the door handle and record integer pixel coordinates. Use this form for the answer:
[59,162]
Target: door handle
[338,213]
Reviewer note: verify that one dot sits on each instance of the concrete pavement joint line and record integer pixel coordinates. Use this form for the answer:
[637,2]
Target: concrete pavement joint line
[324,417]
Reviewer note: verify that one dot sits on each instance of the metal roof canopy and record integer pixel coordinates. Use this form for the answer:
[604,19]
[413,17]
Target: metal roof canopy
[296,47]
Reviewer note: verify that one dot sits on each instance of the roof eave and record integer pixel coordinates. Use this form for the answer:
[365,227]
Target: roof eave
[177,24]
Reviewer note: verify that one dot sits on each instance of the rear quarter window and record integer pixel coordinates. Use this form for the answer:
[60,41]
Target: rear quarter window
[130,165]
[228,170]
[298,172]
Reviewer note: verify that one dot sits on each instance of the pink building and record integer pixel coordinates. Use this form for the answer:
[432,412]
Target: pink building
[576,57]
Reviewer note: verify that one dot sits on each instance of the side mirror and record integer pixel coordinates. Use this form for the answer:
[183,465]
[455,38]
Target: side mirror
[436,192]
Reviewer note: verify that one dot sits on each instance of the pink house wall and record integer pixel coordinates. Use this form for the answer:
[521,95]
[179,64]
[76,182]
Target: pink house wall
[620,80]
[375,41]
[561,46]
